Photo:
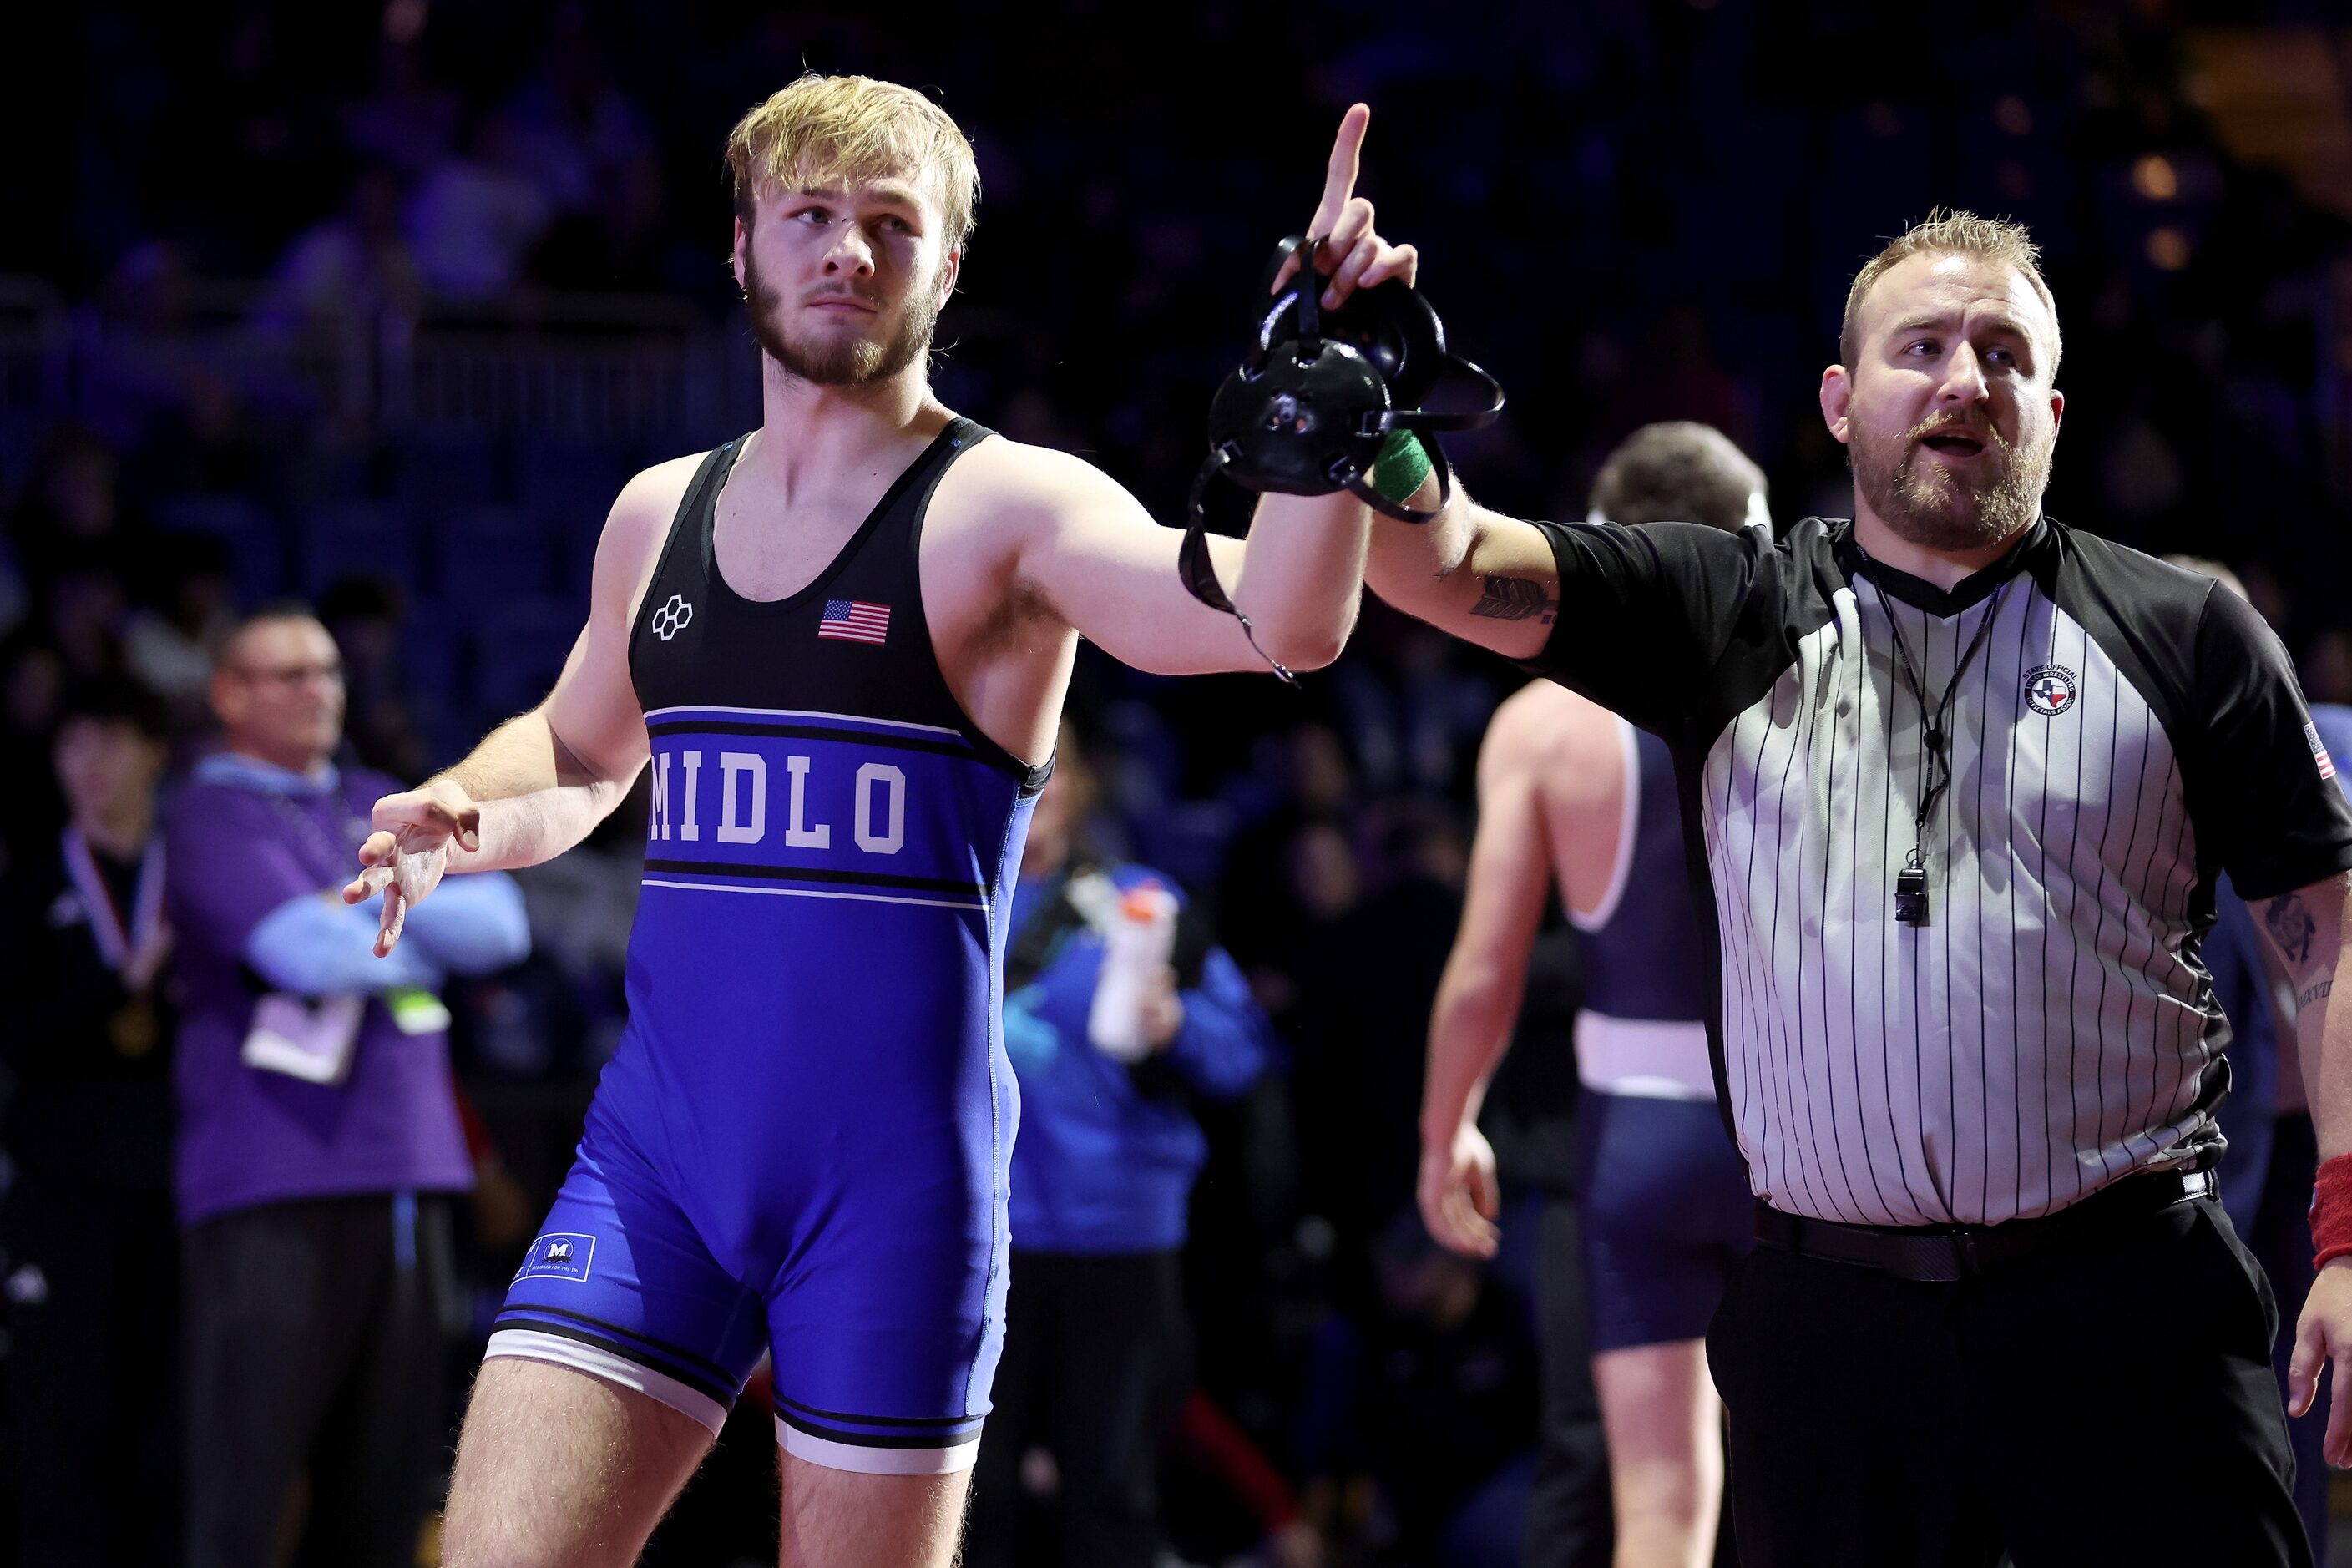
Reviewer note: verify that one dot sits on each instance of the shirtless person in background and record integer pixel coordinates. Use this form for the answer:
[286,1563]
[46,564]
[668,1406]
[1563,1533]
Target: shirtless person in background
[1567,790]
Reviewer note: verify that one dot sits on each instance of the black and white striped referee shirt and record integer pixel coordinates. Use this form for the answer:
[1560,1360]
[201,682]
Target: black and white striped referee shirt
[2125,732]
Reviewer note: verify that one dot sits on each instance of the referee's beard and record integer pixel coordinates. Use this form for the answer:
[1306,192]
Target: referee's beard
[1937,508]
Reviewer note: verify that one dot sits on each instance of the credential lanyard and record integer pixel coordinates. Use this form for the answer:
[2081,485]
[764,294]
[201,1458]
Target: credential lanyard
[340,858]
[119,941]
[1911,907]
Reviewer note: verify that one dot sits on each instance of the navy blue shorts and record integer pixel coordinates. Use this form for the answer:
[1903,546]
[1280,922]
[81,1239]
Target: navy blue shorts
[1667,1214]
[878,1297]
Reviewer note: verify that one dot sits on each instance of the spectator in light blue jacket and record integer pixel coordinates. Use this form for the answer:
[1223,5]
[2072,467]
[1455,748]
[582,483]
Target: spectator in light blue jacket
[1096,1345]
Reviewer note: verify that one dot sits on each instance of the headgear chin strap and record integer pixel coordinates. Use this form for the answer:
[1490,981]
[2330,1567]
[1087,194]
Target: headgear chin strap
[1316,398]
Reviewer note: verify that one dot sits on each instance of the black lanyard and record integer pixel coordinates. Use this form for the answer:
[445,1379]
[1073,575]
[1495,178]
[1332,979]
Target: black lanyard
[1935,745]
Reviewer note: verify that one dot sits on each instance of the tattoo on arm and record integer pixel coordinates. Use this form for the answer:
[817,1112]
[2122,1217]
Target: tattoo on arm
[2307,997]
[2291,926]
[1514,599]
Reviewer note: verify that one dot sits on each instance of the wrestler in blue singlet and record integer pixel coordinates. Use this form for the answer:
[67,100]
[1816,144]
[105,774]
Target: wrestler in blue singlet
[801,1146]
[1665,1199]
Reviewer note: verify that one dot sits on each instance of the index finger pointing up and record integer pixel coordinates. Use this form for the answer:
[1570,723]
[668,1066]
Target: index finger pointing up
[1339,178]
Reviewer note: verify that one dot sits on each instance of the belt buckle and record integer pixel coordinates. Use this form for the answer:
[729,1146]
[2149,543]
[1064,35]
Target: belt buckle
[1936,1257]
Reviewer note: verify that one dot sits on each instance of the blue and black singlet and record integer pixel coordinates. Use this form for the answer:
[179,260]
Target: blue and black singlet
[801,1146]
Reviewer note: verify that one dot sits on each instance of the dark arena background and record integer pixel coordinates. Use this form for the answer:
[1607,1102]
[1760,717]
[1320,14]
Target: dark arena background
[377,306]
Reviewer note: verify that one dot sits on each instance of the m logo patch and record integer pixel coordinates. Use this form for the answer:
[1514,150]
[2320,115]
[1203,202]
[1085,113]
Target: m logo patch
[672,617]
[560,1255]
[2051,689]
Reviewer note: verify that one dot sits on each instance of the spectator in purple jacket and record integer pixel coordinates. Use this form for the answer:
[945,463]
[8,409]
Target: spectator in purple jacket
[319,1135]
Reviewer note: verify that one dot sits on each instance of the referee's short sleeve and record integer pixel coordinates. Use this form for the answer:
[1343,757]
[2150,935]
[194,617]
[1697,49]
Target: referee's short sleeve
[1647,612]
[2267,809]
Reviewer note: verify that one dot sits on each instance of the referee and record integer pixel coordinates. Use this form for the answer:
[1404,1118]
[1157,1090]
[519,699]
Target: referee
[1958,781]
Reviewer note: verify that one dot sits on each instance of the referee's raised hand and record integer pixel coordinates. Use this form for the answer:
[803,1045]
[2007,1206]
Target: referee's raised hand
[2324,1333]
[1358,258]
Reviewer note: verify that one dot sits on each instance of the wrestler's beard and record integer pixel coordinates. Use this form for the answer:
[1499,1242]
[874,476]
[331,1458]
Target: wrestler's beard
[1932,506]
[841,362]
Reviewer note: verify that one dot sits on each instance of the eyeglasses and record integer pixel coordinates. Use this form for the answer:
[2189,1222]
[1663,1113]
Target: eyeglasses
[290,674]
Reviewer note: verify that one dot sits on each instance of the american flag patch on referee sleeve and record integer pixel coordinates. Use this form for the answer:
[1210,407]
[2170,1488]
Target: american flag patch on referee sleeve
[2319,751]
[854,620]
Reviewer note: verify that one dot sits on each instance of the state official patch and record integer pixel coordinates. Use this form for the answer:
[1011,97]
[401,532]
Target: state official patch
[2051,689]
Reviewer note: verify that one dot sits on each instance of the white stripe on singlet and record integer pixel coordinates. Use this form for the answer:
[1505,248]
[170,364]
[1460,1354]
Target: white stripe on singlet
[529,1344]
[1629,827]
[1646,1058]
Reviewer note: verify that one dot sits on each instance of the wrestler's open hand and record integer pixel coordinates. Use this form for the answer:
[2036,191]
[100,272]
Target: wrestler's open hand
[406,854]
[1356,256]
[1460,1199]
[2324,1333]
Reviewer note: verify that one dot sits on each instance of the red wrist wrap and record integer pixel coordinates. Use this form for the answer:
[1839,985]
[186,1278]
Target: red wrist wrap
[2331,1211]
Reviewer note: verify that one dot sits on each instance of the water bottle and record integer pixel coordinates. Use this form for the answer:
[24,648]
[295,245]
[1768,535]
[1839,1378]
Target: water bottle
[1139,937]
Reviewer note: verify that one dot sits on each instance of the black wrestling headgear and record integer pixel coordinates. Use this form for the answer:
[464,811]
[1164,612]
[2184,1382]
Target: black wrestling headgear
[1318,395]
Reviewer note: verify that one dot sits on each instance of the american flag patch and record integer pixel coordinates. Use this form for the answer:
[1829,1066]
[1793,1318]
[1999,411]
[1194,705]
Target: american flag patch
[2319,751]
[854,620]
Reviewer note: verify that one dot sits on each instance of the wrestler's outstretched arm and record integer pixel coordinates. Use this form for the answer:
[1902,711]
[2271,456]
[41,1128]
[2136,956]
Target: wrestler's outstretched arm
[1090,551]
[543,780]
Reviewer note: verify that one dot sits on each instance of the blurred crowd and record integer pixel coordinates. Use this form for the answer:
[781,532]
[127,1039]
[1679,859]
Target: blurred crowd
[1628,211]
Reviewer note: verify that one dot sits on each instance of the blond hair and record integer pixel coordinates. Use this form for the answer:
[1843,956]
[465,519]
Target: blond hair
[1952,233]
[825,131]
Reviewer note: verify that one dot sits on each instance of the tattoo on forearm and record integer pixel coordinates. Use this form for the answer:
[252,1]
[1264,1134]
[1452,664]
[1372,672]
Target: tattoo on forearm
[1514,599]
[2324,988]
[2291,926]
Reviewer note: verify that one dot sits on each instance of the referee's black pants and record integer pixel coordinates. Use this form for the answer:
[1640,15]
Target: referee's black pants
[2108,1404]
[316,1380]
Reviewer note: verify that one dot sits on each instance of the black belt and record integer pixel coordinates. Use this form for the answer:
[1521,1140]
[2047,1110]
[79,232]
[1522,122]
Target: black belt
[1944,1253]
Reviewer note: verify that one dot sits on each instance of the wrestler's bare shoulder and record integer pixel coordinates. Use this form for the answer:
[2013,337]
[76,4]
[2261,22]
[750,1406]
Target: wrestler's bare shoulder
[1562,745]
[650,499]
[637,524]
[1545,723]
[1004,484]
